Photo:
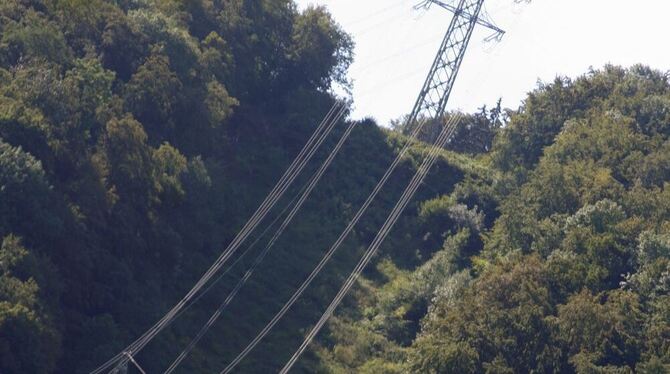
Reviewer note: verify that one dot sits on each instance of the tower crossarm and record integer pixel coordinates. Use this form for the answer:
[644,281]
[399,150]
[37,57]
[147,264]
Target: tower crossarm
[480,21]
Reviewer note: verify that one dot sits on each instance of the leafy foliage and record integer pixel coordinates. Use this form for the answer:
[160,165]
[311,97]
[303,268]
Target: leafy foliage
[136,136]
[569,271]
[135,139]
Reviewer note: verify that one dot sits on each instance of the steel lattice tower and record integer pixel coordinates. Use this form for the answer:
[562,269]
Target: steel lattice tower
[434,95]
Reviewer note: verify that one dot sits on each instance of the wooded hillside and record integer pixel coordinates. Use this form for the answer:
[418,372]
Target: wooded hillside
[137,137]
[562,263]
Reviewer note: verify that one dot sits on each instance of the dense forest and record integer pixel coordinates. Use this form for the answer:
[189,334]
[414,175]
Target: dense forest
[558,261]
[137,137]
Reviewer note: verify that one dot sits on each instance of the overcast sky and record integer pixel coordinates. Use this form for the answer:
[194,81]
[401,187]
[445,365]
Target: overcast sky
[396,44]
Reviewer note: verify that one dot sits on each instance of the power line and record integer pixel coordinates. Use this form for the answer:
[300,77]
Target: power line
[329,125]
[306,153]
[367,17]
[409,192]
[241,256]
[400,53]
[305,194]
[369,29]
[329,254]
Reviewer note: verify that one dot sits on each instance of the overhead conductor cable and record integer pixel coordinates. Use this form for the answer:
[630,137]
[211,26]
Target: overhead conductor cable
[420,175]
[303,197]
[329,253]
[298,164]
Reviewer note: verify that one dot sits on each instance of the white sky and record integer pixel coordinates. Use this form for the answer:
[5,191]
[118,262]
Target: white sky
[396,44]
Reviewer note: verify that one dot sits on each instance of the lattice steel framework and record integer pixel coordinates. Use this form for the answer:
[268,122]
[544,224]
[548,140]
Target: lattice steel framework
[434,95]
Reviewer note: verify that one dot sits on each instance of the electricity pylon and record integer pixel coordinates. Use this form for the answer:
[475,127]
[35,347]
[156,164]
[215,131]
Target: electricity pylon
[434,95]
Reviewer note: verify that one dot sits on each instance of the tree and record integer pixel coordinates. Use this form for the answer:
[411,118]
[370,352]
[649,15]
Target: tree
[29,342]
[32,36]
[152,95]
[321,52]
[600,333]
[26,201]
[499,323]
